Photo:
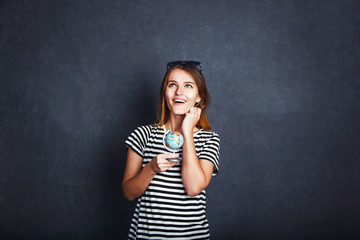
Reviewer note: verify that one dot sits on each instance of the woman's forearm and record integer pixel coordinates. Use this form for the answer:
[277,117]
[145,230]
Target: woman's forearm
[137,179]
[193,176]
[136,186]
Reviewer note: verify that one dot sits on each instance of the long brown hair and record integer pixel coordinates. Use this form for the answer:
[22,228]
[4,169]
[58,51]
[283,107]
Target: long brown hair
[163,112]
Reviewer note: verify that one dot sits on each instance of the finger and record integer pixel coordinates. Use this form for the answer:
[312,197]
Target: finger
[194,110]
[165,167]
[198,110]
[170,163]
[169,155]
[191,110]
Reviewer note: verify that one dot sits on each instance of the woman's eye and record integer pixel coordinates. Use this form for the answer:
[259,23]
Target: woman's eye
[172,85]
[188,86]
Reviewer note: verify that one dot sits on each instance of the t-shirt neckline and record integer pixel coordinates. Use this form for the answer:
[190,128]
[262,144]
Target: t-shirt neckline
[194,134]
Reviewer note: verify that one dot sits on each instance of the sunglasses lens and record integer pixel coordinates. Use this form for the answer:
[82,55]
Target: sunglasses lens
[173,64]
[186,63]
[192,63]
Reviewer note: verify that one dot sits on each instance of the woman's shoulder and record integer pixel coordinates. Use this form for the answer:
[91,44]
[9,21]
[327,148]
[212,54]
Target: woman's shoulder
[202,133]
[149,128]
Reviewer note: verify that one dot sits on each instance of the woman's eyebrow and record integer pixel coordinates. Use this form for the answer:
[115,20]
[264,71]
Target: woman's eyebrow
[174,81]
[184,82]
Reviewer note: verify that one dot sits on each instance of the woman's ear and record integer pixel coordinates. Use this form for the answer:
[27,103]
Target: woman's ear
[198,99]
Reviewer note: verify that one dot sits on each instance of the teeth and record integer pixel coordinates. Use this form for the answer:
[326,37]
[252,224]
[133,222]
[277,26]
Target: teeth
[179,101]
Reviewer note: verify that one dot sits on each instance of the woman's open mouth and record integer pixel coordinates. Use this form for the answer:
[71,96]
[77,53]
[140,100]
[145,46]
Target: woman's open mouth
[179,101]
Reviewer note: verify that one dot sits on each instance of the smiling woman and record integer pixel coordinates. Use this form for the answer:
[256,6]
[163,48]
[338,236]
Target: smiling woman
[181,93]
[171,194]
[191,77]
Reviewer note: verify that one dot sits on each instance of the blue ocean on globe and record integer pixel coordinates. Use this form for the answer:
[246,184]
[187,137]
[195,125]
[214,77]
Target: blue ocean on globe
[174,140]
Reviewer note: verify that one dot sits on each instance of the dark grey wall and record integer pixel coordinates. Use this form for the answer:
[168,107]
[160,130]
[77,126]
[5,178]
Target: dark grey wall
[78,76]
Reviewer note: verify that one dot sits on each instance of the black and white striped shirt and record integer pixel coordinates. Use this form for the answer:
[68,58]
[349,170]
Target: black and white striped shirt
[164,210]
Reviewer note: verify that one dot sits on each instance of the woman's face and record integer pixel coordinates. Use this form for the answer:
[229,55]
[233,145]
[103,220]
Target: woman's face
[181,92]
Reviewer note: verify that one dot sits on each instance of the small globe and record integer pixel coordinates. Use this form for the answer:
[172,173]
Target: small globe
[174,140]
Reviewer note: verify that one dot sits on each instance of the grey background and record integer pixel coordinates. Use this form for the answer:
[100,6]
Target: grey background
[78,76]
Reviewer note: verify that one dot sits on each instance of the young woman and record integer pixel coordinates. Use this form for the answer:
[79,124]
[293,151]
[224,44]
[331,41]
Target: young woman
[171,194]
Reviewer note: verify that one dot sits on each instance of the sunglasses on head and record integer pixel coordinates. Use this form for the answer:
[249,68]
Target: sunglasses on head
[194,64]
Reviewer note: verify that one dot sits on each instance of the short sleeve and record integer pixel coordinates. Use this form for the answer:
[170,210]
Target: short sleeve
[138,139]
[211,152]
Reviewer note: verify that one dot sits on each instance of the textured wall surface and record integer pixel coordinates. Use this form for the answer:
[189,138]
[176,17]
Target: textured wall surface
[76,77]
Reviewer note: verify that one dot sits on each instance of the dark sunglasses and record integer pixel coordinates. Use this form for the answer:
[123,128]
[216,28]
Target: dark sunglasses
[194,64]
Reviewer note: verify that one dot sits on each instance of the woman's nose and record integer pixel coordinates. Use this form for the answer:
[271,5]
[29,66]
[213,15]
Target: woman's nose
[179,91]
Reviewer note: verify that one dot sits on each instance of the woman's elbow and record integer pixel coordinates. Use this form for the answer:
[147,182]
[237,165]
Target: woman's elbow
[127,195]
[192,192]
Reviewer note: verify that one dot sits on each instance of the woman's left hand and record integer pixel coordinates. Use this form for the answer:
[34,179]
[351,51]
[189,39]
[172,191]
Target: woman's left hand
[190,120]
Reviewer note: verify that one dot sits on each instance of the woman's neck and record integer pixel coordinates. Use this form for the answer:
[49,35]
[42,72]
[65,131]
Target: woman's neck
[175,122]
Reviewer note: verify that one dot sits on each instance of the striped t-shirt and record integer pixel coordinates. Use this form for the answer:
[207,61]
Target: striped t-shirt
[164,210]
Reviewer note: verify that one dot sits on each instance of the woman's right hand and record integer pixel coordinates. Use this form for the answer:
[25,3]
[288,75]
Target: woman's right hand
[160,162]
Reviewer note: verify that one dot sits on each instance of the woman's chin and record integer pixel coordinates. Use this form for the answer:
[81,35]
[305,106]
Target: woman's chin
[178,113]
